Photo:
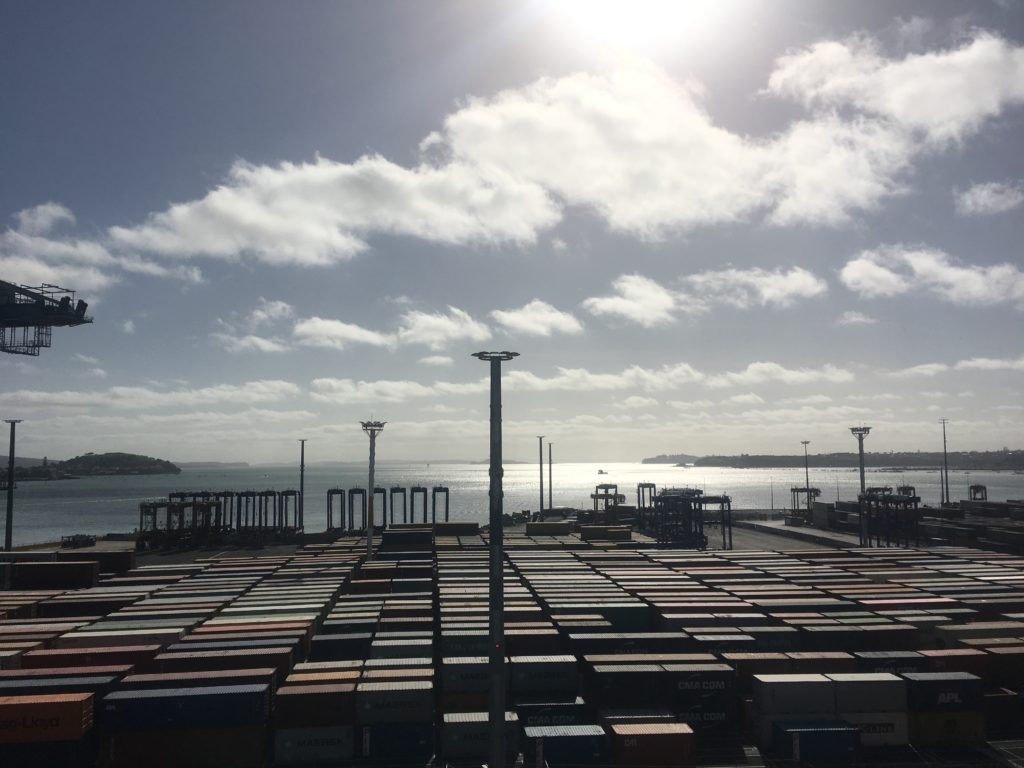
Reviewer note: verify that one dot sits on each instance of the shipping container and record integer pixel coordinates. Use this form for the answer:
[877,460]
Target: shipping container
[214,707]
[297,706]
[323,745]
[45,718]
[652,744]
[814,742]
[466,736]
[564,745]
[869,692]
[943,692]
[395,702]
[405,743]
[237,747]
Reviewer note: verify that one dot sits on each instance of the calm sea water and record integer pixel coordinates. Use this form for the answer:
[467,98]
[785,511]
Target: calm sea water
[44,511]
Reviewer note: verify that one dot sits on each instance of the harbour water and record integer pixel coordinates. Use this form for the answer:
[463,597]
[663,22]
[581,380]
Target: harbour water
[44,511]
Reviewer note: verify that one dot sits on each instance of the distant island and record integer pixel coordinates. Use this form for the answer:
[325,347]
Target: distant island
[1004,460]
[94,464]
[675,458]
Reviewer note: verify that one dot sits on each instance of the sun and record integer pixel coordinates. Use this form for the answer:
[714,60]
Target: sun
[639,25]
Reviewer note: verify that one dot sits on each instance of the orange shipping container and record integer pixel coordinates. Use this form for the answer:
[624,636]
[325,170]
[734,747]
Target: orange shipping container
[57,717]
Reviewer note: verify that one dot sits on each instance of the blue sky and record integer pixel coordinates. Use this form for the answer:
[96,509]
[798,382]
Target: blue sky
[721,227]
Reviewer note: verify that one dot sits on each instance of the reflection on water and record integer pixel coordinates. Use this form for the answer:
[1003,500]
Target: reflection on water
[46,510]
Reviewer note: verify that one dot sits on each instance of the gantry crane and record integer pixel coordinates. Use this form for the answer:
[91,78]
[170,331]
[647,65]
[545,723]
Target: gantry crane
[29,314]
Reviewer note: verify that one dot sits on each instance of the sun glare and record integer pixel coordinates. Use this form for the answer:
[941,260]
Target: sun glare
[639,24]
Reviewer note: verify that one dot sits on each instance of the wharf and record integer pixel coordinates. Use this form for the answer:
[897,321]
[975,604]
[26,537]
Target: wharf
[618,655]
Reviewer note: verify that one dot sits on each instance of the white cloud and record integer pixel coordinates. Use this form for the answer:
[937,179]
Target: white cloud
[334,334]
[690,405]
[580,379]
[946,95]
[128,326]
[763,372]
[641,151]
[898,269]
[989,198]
[884,396]
[636,402]
[86,359]
[436,330]
[444,409]
[248,343]
[639,300]
[631,145]
[30,254]
[825,169]
[318,213]
[538,318]
[808,400]
[852,317]
[869,275]
[666,378]
[436,360]
[926,370]
[748,399]
[97,373]
[344,391]
[138,398]
[744,288]
[43,218]
[991,364]
[270,312]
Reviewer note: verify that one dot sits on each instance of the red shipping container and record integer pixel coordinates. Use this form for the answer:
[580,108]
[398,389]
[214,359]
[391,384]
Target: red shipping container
[653,744]
[57,717]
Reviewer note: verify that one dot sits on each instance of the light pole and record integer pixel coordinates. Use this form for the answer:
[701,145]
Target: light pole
[496,657]
[302,481]
[540,452]
[807,477]
[372,428]
[944,481]
[550,484]
[860,433]
[9,531]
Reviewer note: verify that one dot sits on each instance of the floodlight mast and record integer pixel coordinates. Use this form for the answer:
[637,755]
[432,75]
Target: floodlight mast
[860,433]
[302,481]
[372,428]
[496,656]
[540,448]
[9,530]
[807,477]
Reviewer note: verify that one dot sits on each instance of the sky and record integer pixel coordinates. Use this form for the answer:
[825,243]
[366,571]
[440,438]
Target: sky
[719,227]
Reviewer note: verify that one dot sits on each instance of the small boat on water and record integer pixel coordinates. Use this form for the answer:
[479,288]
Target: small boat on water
[601,472]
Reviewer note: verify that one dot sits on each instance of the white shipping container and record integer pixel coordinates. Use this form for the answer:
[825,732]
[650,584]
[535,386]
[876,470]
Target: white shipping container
[793,694]
[869,692]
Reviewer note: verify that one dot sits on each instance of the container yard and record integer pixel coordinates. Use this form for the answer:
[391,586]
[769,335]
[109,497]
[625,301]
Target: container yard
[617,654]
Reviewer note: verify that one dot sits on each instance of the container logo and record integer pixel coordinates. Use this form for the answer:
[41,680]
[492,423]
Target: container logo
[30,723]
[950,697]
[701,685]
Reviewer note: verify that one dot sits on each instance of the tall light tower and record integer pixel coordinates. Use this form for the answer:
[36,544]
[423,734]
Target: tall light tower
[496,657]
[372,428]
[302,481]
[551,485]
[540,460]
[944,481]
[9,530]
[860,433]
[807,477]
